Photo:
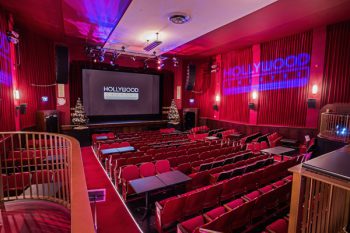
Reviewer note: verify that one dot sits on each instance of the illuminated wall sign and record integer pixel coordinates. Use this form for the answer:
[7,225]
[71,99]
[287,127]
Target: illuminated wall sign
[291,71]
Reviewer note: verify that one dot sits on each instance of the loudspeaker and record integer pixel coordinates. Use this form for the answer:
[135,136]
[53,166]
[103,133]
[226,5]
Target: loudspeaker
[190,77]
[311,103]
[251,106]
[62,65]
[22,108]
[216,107]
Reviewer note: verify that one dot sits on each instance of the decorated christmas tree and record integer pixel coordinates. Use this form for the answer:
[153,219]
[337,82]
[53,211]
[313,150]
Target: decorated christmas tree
[78,115]
[173,114]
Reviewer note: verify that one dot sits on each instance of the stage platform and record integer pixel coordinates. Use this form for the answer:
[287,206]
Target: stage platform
[123,126]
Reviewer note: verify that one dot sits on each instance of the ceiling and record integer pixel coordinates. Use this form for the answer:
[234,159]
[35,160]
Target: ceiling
[215,26]
[89,20]
[143,19]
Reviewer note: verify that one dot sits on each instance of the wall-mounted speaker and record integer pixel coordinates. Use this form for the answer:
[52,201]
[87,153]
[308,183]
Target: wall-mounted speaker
[62,64]
[190,77]
[22,108]
[251,106]
[311,103]
[216,107]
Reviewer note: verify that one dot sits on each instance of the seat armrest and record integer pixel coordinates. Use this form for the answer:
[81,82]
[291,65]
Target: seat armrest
[158,206]
[207,218]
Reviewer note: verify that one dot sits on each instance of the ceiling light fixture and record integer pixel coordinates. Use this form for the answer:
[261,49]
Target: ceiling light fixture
[179,18]
[152,45]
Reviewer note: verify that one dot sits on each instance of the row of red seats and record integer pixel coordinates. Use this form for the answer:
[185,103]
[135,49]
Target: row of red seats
[167,130]
[195,201]
[274,139]
[278,226]
[197,136]
[243,213]
[203,128]
[16,183]
[117,161]
[184,158]
[255,147]
[200,179]
[227,133]
[131,172]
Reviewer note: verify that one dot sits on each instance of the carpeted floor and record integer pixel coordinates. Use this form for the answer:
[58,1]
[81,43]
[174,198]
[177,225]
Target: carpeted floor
[112,215]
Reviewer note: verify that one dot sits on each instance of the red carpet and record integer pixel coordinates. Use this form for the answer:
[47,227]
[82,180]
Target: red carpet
[112,215]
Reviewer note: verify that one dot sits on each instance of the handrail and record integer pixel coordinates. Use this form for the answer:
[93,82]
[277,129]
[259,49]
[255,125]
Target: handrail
[335,126]
[45,166]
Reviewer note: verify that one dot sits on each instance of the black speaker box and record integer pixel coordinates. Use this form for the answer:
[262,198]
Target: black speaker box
[251,106]
[62,65]
[216,107]
[190,77]
[311,103]
[22,108]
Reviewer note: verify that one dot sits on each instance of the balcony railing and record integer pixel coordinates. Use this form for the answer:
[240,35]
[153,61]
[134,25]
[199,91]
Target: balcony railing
[48,167]
[335,126]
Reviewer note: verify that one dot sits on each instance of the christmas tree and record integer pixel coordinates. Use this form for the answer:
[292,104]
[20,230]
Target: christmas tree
[78,115]
[173,114]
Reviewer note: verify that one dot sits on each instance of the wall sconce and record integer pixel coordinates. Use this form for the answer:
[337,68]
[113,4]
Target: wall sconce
[255,95]
[44,98]
[16,94]
[191,101]
[314,89]
[217,98]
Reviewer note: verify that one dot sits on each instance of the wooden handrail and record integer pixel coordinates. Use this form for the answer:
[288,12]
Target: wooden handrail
[66,162]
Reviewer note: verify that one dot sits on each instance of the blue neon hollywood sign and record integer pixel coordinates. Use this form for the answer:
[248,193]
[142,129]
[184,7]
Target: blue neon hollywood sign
[284,72]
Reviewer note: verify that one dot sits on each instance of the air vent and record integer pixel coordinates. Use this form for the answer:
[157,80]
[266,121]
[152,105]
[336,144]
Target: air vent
[179,18]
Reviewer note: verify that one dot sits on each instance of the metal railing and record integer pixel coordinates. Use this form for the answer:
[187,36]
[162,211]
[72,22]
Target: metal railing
[45,166]
[335,126]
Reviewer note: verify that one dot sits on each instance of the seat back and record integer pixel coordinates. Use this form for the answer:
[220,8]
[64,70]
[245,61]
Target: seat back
[230,188]
[194,202]
[162,166]
[220,224]
[212,195]
[171,212]
[241,216]
[129,172]
[147,169]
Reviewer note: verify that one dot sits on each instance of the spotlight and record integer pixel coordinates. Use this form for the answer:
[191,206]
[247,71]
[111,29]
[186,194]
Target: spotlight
[95,60]
[160,66]
[101,58]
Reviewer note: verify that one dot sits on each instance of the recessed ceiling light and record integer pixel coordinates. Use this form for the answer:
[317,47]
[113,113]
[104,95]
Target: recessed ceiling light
[179,18]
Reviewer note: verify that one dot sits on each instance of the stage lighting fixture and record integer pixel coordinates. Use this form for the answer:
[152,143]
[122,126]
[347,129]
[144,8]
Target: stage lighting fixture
[152,45]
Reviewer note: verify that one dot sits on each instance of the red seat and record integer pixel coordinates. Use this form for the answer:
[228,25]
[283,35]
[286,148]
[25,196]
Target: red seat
[266,189]
[169,211]
[214,213]
[231,188]
[147,169]
[278,226]
[263,145]
[199,179]
[192,225]
[127,173]
[16,183]
[184,168]
[234,204]
[241,216]
[162,166]
[252,196]
[42,176]
[212,195]
[194,202]
[220,224]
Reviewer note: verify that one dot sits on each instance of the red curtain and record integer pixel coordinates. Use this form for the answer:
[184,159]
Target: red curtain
[36,73]
[7,119]
[336,77]
[235,80]
[204,91]
[284,75]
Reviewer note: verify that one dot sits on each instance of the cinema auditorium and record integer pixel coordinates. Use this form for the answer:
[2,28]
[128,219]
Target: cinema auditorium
[175,116]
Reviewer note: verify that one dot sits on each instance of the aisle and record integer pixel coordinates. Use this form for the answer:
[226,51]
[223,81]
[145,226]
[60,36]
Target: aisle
[112,215]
